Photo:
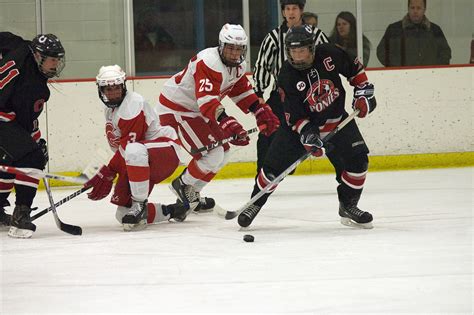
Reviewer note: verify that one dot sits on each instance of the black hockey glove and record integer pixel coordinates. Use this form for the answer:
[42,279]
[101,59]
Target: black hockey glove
[309,137]
[44,148]
[364,99]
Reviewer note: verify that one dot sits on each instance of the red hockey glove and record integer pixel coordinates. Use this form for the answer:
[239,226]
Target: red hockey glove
[364,99]
[267,122]
[101,183]
[309,137]
[231,128]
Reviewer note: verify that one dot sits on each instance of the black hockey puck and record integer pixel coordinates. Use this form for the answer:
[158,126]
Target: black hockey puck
[249,238]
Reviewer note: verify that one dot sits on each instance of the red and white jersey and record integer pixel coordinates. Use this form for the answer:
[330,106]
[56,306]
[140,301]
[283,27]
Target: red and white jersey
[200,87]
[135,121]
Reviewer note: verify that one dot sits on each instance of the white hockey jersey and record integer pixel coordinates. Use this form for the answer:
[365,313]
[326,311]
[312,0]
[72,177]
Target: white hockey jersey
[135,121]
[200,87]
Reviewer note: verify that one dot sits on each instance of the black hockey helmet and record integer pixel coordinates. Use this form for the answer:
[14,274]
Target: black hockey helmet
[49,45]
[300,3]
[300,36]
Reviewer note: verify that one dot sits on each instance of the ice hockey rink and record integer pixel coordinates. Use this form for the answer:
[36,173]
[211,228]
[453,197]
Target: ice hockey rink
[416,259]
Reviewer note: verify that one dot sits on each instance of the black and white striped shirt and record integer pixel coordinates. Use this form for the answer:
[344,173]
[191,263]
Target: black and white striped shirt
[272,55]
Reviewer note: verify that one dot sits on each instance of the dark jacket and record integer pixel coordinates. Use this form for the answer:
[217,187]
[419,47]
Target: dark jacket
[23,88]
[407,44]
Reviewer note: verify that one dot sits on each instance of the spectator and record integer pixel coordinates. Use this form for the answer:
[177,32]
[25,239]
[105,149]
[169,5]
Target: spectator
[414,41]
[153,44]
[344,35]
[310,18]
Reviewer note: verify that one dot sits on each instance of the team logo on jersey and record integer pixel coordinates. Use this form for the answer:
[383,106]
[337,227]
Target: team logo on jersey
[321,95]
[112,137]
[301,85]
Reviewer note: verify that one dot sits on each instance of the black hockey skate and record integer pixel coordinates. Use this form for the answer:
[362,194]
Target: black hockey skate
[136,217]
[351,215]
[248,215]
[186,193]
[178,211]
[21,226]
[5,218]
[205,205]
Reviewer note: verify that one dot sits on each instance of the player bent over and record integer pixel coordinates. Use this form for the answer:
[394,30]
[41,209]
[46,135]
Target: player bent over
[313,96]
[145,154]
[190,102]
[25,69]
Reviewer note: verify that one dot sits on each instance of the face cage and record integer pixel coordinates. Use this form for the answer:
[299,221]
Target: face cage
[106,101]
[232,64]
[59,67]
[301,65]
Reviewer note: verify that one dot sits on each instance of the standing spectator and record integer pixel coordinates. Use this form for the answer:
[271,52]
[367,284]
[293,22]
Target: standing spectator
[344,35]
[190,102]
[310,18]
[24,72]
[145,154]
[269,61]
[414,41]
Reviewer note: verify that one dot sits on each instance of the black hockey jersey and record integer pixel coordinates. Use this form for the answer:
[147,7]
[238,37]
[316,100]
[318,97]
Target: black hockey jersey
[23,88]
[316,95]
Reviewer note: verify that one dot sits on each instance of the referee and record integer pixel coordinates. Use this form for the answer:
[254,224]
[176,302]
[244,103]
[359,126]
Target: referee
[269,61]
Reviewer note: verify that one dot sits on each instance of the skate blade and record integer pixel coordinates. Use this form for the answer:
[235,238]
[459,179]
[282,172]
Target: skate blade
[351,223]
[129,227]
[19,233]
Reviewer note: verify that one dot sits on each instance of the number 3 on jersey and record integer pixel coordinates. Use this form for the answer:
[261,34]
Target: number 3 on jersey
[205,85]
[132,137]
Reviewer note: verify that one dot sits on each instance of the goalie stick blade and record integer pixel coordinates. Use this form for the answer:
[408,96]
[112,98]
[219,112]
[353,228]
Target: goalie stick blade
[231,214]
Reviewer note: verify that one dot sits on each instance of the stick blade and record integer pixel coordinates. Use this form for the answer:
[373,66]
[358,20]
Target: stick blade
[70,229]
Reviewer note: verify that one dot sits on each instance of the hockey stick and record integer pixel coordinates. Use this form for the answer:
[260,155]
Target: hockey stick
[232,214]
[68,228]
[221,142]
[36,173]
[90,170]
[60,202]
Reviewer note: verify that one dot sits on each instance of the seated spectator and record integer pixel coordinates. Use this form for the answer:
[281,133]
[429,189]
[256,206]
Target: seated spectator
[154,46]
[310,18]
[344,35]
[414,40]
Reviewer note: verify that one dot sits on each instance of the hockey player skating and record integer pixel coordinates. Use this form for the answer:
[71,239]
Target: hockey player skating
[314,105]
[270,59]
[25,69]
[190,102]
[145,154]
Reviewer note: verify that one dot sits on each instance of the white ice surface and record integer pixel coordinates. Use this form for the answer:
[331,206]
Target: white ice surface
[417,259]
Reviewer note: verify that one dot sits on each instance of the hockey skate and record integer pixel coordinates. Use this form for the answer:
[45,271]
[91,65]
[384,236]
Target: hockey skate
[351,215]
[5,218]
[178,211]
[186,193]
[248,215]
[205,205]
[21,226]
[136,218]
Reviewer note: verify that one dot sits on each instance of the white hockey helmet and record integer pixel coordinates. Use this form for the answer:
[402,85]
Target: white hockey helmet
[109,76]
[232,34]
